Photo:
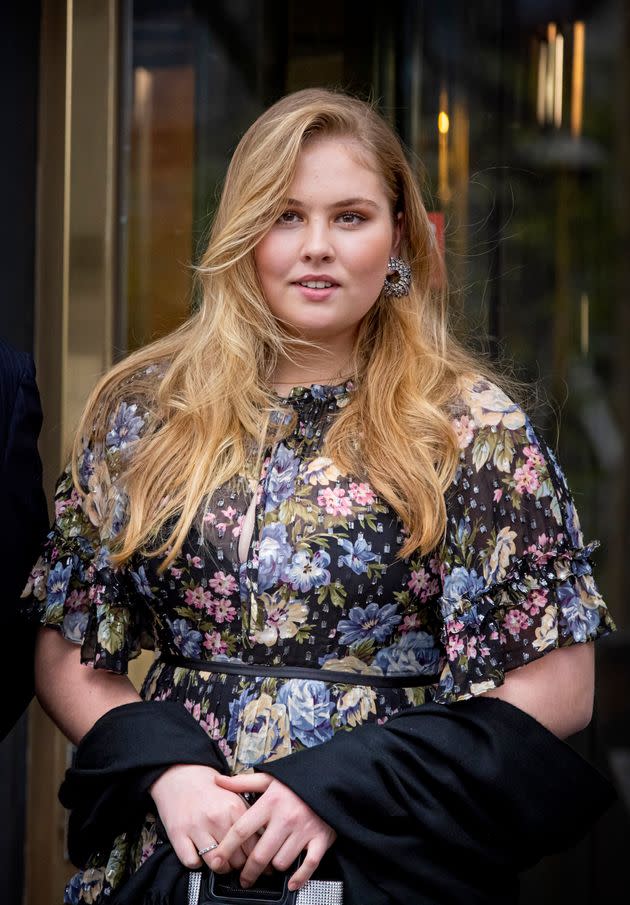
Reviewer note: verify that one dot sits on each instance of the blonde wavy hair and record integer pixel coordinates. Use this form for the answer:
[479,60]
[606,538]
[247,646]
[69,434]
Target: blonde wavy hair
[211,404]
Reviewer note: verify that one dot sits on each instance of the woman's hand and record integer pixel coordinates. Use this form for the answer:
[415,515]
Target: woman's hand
[197,813]
[288,827]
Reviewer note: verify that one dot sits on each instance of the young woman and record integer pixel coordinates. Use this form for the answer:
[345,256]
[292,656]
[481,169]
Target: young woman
[342,538]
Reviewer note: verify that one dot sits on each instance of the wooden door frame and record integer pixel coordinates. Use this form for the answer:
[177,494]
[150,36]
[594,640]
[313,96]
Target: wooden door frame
[74,318]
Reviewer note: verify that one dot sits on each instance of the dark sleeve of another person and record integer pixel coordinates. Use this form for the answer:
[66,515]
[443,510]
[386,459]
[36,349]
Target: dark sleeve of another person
[23,524]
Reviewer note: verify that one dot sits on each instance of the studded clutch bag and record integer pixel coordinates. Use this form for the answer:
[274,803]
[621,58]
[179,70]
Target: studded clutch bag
[206,888]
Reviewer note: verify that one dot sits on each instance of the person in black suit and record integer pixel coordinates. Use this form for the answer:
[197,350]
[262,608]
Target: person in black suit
[24,520]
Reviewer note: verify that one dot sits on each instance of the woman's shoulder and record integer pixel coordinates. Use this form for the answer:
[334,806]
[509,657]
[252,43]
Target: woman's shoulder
[123,411]
[479,402]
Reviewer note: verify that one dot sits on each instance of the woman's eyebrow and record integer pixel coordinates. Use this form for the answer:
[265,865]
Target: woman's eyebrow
[346,202]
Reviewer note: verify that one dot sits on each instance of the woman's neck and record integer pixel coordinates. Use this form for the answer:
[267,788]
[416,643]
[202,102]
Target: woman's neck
[328,369]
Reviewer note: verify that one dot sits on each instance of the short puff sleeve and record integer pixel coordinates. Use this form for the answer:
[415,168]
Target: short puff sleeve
[516,574]
[74,587]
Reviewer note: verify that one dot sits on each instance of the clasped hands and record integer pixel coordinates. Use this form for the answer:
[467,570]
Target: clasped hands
[197,804]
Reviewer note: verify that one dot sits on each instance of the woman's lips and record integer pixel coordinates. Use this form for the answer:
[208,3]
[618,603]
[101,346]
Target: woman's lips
[316,295]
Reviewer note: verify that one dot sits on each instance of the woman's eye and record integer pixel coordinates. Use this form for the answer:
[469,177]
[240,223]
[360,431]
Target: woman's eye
[351,218]
[288,217]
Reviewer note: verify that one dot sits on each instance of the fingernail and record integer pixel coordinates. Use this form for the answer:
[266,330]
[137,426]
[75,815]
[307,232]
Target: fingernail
[216,863]
[245,883]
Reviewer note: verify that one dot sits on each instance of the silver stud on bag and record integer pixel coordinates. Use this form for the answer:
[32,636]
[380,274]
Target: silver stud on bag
[398,282]
[321,892]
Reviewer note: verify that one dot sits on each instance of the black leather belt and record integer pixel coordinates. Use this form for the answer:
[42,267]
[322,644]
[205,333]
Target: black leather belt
[238,668]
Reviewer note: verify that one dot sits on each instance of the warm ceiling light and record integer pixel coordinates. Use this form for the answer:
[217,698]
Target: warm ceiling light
[443,122]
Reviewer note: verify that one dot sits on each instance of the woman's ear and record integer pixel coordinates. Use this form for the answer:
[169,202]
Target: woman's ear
[399,225]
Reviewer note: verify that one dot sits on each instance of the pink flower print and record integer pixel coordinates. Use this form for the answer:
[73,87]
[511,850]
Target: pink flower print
[540,556]
[533,456]
[361,494]
[222,611]
[410,623]
[238,527]
[496,496]
[188,704]
[431,590]
[471,648]
[76,600]
[221,528]
[211,725]
[72,502]
[225,748]
[214,643]
[222,584]
[526,480]
[464,428]
[436,565]
[199,599]
[535,602]
[418,581]
[515,621]
[335,501]
[229,513]
[175,572]
[195,562]
[454,647]
[209,518]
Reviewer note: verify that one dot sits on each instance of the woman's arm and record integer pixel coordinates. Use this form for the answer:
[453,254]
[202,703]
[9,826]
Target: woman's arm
[193,809]
[557,690]
[75,695]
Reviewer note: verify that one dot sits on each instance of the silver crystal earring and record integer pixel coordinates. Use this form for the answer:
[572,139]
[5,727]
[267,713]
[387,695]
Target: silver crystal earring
[398,278]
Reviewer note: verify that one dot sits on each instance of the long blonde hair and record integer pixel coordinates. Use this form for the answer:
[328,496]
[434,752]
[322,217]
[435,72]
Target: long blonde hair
[211,404]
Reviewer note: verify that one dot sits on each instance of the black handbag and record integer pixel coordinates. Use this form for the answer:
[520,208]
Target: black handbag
[206,888]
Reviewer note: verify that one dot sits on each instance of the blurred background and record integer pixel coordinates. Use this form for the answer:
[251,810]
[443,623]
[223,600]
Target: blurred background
[120,120]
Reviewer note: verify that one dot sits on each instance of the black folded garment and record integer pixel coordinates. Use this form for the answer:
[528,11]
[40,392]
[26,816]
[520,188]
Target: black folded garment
[446,804]
[441,805]
[107,789]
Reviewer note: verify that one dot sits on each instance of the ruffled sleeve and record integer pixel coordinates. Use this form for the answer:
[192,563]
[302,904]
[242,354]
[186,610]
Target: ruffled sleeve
[516,575]
[74,587]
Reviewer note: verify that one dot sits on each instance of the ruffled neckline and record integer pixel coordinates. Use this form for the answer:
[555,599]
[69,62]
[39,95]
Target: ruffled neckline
[299,396]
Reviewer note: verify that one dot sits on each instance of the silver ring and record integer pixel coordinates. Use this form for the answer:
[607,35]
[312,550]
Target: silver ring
[208,848]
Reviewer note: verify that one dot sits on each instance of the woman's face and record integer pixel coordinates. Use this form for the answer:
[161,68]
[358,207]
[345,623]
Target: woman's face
[322,264]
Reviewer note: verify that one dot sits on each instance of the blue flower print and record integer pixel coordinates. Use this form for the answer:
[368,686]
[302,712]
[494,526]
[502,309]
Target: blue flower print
[358,555]
[577,620]
[141,582]
[236,708]
[86,466]
[281,482]
[273,554]
[73,890]
[416,653]
[372,622]
[187,640]
[57,584]
[462,534]
[75,624]
[309,708]
[125,428]
[306,572]
[461,583]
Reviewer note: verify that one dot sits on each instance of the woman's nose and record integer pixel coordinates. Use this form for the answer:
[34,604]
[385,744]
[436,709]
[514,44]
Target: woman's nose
[317,244]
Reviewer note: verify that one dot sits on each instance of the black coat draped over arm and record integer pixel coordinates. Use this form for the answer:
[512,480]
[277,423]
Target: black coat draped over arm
[442,805]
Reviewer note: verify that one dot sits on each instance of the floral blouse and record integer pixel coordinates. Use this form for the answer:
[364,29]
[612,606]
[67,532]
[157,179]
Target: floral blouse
[322,627]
